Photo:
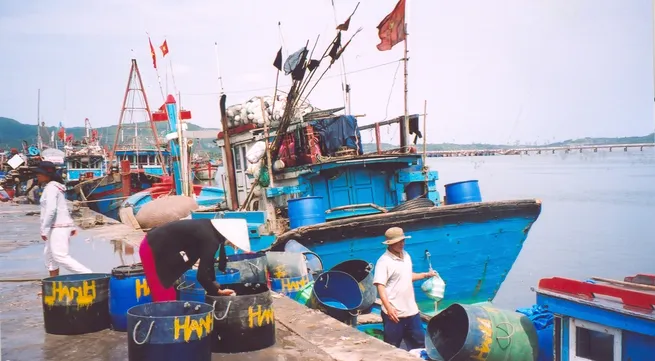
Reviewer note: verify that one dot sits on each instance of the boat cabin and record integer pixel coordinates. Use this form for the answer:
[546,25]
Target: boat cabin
[320,161]
[143,160]
[601,320]
[80,167]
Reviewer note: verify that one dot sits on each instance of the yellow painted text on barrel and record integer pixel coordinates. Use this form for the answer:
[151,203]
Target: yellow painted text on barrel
[142,288]
[293,286]
[185,327]
[260,317]
[485,347]
[83,295]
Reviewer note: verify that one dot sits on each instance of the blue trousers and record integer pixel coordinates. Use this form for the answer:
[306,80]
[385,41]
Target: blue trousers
[408,329]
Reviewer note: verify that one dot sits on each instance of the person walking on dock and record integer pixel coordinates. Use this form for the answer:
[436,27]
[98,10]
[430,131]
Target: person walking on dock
[168,251]
[57,226]
[393,278]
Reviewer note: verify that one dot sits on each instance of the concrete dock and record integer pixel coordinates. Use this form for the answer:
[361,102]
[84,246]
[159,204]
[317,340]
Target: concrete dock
[102,244]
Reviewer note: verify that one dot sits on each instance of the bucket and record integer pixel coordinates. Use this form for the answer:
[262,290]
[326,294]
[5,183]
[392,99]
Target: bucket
[463,192]
[251,266]
[76,304]
[231,275]
[174,330]
[337,294]
[305,211]
[289,286]
[190,292]
[462,333]
[362,272]
[304,294]
[312,260]
[244,322]
[127,288]
[286,264]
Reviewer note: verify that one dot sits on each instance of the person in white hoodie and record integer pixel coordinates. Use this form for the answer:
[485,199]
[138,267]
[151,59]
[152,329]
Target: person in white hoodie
[57,226]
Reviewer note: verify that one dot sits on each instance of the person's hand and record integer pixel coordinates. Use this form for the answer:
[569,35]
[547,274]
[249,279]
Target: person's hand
[432,273]
[393,314]
[73,232]
[45,238]
[226,292]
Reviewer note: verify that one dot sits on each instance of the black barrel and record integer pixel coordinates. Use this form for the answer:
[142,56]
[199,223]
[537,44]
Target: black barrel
[244,322]
[362,272]
[170,331]
[76,304]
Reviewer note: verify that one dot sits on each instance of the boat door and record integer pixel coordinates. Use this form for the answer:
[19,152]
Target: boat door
[240,167]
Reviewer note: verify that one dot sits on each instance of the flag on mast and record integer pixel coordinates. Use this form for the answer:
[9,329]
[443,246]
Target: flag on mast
[164,49]
[152,52]
[391,29]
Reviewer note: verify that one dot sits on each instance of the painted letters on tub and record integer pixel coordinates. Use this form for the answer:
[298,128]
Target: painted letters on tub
[62,295]
[260,317]
[142,289]
[185,326]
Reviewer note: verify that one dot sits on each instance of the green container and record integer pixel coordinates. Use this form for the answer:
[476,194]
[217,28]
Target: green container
[463,333]
[304,294]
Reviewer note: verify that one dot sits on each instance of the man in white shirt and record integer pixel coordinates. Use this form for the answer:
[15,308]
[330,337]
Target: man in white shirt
[393,278]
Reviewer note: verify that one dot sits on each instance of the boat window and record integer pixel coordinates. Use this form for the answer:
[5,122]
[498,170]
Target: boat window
[237,159]
[593,342]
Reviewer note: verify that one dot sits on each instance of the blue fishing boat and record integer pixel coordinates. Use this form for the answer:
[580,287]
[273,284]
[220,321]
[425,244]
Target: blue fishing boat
[599,319]
[84,159]
[313,183]
[180,182]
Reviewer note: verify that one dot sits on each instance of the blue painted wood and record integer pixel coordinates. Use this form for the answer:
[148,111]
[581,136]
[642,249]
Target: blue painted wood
[578,310]
[637,347]
[472,258]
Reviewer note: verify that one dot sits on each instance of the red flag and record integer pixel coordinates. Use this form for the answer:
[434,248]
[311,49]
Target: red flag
[164,49]
[391,29]
[152,52]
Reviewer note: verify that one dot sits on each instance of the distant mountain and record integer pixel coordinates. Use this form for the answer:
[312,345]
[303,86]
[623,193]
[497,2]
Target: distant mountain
[12,133]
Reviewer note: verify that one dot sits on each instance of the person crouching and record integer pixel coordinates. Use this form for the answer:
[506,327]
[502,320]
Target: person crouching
[168,251]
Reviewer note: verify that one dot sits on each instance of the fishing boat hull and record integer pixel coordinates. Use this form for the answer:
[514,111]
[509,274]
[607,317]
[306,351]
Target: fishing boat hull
[472,246]
[206,196]
[105,195]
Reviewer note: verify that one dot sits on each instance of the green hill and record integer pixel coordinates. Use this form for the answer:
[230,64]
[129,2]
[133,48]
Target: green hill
[12,133]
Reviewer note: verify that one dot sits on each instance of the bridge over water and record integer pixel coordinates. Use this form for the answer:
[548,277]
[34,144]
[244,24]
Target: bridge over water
[539,150]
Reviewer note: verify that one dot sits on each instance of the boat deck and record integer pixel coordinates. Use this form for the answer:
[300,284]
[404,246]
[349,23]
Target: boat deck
[302,333]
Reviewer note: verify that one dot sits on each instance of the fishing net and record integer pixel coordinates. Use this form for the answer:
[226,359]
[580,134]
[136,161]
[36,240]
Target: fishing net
[164,210]
[264,178]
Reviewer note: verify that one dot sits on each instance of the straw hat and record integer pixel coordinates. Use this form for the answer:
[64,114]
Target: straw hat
[394,235]
[235,231]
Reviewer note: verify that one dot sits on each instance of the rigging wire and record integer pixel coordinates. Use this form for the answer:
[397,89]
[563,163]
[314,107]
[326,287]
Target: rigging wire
[286,85]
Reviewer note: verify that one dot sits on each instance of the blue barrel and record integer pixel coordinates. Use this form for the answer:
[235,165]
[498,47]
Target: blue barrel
[251,266]
[76,304]
[337,294]
[289,286]
[190,292]
[305,211]
[362,272]
[463,192]
[313,261]
[231,275]
[127,288]
[174,330]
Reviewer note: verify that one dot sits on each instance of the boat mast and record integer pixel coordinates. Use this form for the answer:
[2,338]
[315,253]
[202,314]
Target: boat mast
[404,136]
[39,141]
[653,18]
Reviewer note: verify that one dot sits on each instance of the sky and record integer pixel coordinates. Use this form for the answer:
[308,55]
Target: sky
[503,71]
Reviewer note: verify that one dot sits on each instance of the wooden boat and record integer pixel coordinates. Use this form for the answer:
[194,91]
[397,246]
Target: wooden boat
[601,319]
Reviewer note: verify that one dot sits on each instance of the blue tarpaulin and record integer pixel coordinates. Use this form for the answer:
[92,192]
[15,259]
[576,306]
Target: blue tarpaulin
[338,132]
[543,321]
